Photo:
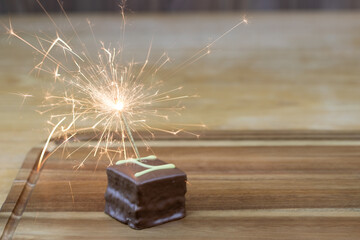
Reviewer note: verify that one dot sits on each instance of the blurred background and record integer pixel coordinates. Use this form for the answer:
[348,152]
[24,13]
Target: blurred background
[295,66]
[25,6]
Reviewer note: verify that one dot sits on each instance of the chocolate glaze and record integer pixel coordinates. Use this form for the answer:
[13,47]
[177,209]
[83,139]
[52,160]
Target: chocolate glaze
[148,200]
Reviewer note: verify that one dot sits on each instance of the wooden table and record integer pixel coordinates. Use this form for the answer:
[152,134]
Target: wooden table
[280,186]
[283,71]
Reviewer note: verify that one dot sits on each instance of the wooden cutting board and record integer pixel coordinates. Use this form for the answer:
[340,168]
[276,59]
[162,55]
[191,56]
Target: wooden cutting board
[242,185]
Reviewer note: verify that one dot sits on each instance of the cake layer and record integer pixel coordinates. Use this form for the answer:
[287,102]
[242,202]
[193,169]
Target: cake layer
[115,197]
[142,216]
[141,223]
[149,187]
[128,171]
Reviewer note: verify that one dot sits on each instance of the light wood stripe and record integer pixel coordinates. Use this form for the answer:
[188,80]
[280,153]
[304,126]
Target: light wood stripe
[223,143]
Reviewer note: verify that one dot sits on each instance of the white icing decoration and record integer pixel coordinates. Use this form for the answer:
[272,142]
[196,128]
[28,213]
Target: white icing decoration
[150,168]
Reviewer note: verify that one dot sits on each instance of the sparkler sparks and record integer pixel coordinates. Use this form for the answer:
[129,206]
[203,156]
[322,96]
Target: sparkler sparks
[100,94]
[105,95]
[24,97]
[109,97]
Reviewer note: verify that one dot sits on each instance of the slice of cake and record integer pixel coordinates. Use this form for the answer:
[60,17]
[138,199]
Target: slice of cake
[147,200]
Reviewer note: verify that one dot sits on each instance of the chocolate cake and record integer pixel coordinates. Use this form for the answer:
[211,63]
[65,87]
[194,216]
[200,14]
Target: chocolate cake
[147,200]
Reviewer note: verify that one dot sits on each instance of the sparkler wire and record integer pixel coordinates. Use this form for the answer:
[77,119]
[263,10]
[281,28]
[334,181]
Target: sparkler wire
[131,138]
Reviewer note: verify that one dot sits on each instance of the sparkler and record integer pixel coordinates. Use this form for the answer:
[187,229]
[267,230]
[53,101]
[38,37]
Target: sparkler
[104,94]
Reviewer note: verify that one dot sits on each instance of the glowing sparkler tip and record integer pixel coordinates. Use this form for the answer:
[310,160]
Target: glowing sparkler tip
[245,20]
[119,106]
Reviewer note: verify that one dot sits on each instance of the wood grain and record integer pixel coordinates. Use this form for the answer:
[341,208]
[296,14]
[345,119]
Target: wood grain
[261,224]
[283,71]
[246,192]
[248,135]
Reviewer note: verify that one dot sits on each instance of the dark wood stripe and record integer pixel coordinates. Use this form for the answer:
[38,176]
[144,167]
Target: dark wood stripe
[237,135]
